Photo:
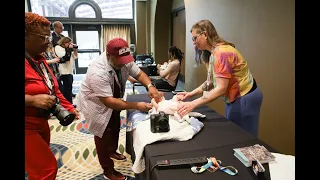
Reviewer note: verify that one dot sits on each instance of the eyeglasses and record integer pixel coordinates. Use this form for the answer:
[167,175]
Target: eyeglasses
[46,38]
[194,38]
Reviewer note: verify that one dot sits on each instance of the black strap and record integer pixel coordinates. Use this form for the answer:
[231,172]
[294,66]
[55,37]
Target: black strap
[36,68]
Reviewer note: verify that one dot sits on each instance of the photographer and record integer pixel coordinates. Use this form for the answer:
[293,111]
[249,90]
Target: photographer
[41,93]
[68,52]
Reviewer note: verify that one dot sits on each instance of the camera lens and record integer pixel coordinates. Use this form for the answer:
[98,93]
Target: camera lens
[163,123]
[67,120]
[64,116]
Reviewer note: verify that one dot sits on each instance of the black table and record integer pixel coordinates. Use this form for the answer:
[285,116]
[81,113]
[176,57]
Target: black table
[217,138]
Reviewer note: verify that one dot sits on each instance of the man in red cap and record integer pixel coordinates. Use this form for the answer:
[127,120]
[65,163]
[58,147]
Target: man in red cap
[100,100]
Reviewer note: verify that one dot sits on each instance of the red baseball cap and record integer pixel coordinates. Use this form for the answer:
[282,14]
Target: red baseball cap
[119,47]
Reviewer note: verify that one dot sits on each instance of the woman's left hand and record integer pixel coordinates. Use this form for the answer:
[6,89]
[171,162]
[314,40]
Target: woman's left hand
[76,113]
[185,107]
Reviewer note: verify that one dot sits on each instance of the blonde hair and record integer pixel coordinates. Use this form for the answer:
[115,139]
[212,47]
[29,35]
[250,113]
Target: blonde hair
[63,41]
[213,37]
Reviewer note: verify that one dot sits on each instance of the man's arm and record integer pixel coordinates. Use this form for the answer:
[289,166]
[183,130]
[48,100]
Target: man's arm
[143,78]
[118,104]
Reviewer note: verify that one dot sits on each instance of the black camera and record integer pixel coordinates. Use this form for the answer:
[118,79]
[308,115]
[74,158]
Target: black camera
[75,46]
[64,116]
[159,122]
[67,56]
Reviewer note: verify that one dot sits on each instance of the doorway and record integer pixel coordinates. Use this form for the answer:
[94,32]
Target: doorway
[87,37]
[178,34]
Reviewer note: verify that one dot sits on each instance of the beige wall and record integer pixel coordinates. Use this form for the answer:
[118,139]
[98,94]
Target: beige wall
[162,30]
[141,27]
[151,4]
[263,31]
[177,3]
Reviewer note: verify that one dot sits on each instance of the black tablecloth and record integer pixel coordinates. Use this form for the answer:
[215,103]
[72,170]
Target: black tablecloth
[217,138]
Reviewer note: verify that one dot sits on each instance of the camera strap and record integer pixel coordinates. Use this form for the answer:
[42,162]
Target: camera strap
[44,72]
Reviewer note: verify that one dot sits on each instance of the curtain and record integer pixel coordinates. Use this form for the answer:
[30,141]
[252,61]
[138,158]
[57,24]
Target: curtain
[110,31]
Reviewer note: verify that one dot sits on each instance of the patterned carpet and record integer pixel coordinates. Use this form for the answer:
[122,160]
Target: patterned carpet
[74,149]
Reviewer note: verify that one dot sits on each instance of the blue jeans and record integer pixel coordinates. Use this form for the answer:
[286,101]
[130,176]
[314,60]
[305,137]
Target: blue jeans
[245,111]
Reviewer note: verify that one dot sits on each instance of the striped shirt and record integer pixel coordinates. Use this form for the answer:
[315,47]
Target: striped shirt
[99,82]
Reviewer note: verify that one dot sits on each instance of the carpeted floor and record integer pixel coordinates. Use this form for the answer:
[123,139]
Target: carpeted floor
[74,149]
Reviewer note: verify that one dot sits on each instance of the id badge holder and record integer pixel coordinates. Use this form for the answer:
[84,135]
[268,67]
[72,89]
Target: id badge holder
[258,169]
[205,93]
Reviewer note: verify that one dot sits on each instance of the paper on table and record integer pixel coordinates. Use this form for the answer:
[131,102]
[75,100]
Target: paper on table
[283,168]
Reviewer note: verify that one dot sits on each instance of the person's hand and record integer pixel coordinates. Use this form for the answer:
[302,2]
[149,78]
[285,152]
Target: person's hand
[76,113]
[179,97]
[183,95]
[143,106]
[185,107]
[56,60]
[154,93]
[43,101]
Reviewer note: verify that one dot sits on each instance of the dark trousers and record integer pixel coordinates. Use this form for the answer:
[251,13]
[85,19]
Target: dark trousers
[66,88]
[245,111]
[108,144]
[162,84]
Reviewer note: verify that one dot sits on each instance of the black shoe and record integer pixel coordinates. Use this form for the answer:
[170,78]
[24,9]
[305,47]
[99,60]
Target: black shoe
[118,156]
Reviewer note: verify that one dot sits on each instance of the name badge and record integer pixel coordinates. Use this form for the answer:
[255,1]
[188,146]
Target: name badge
[205,93]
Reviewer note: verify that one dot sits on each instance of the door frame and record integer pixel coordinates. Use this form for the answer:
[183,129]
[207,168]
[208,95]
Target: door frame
[174,13]
[81,27]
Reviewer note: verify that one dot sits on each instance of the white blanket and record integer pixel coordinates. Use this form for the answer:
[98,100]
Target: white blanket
[142,136]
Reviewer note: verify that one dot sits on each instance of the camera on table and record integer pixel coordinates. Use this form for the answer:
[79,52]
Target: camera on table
[64,116]
[159,122]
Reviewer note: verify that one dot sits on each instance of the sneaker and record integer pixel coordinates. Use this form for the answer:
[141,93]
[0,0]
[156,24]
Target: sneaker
[115,176]
[118,157]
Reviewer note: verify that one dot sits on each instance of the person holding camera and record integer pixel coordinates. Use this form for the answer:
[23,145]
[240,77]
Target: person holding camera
[67,52]
[100,99]
[41,95]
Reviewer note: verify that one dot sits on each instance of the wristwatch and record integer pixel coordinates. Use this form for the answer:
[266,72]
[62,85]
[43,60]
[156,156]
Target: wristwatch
[151,85]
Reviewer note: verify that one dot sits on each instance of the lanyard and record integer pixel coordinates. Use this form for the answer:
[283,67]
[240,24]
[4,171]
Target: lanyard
[212,167]
[48,80]
[210,74]
[119,77]
[44,72]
